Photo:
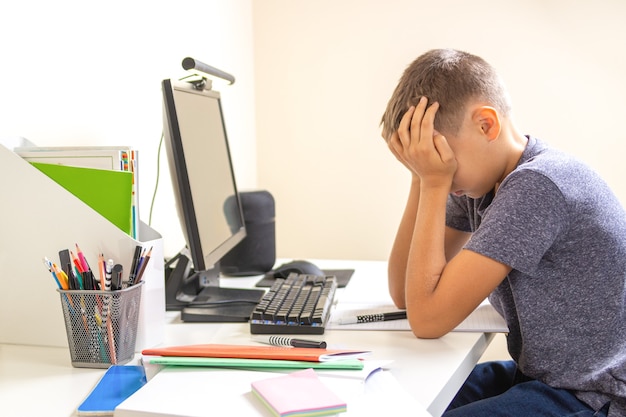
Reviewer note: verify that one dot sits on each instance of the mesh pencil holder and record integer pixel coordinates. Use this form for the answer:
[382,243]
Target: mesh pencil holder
[101,326]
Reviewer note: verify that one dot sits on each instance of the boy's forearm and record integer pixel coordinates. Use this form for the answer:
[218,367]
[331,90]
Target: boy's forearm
[401,247]
[427,256]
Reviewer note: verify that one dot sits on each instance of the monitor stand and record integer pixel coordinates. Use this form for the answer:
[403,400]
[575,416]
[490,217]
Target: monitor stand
[199,297]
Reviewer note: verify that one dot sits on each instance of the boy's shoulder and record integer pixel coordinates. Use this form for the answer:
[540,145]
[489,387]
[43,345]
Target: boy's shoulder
[539,152]
[558,166]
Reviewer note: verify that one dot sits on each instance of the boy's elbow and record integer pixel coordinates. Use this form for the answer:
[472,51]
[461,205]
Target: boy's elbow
[398,299]
[424,327]
[421,333]
[396,292]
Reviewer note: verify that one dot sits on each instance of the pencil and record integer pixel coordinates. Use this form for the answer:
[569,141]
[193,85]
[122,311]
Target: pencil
[83,261]
[102,272]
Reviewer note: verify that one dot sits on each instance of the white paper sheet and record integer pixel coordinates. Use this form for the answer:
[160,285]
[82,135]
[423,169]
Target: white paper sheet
[484,319]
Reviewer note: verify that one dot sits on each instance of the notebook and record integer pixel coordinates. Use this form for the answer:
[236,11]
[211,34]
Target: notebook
[237,363]
[254,352]
[299,394]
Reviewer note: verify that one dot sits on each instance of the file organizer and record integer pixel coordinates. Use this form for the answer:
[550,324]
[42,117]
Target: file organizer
[38,217]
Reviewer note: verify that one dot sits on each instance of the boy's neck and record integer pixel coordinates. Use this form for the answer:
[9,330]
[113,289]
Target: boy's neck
[516,143]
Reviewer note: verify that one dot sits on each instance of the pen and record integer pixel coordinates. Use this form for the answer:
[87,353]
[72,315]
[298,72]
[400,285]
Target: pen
[288,341]
[108,271]
[88,280]
[133,268]
[144,263]
[48,265]
[369,318]
[71,277]
[108,286]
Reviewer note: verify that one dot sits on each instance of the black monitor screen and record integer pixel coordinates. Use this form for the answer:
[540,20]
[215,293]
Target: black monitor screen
[202,174]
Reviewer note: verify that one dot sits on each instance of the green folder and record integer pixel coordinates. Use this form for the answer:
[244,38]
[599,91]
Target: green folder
[353,364]
[108,192]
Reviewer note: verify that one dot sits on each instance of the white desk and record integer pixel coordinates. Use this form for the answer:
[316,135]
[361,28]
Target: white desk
[37,381]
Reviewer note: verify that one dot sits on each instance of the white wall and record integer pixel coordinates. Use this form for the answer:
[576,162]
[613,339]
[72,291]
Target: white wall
[325,69]
[318,75]
[88,73]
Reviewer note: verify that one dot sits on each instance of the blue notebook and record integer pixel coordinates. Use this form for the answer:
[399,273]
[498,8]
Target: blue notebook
[118,383]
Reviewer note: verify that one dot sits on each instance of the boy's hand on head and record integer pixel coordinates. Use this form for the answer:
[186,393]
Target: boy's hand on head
[396,149]
[423,150]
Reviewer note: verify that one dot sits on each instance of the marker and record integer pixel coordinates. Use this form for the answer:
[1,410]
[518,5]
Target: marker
[116,277]
[370,318]
[89,282]
[288,341]
[65,261]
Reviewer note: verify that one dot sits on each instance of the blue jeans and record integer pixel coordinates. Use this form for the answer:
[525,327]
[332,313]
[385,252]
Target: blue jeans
[498,389]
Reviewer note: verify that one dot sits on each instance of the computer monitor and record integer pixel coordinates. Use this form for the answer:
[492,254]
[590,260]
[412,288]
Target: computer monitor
[208,205]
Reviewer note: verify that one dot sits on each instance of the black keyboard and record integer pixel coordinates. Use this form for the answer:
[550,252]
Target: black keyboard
[298,304]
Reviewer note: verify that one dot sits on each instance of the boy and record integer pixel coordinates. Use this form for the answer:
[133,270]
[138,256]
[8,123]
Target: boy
[493,213]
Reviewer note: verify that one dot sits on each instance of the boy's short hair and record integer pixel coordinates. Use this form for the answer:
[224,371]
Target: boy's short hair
[451,78]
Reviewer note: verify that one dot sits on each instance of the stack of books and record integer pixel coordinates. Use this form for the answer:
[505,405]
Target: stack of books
[252,356]
[281,381]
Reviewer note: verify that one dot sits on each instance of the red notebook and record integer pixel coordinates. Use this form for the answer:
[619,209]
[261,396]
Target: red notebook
[255,352]
[298,394]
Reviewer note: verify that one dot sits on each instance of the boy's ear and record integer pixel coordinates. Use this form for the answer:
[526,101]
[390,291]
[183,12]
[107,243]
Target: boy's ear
[488,121]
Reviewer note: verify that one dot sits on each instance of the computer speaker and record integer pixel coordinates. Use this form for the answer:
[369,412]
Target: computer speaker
[256,253]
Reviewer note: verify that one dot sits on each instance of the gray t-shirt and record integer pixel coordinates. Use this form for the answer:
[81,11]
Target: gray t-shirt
[563,231]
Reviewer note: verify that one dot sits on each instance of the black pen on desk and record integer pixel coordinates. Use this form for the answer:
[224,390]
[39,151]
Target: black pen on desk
[369,318]
[288,341]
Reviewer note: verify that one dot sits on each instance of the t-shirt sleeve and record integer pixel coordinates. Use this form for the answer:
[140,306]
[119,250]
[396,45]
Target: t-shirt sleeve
[522,222]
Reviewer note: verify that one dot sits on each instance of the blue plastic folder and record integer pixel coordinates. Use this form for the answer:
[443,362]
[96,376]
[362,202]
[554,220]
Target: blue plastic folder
[108,192]
[118,383]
